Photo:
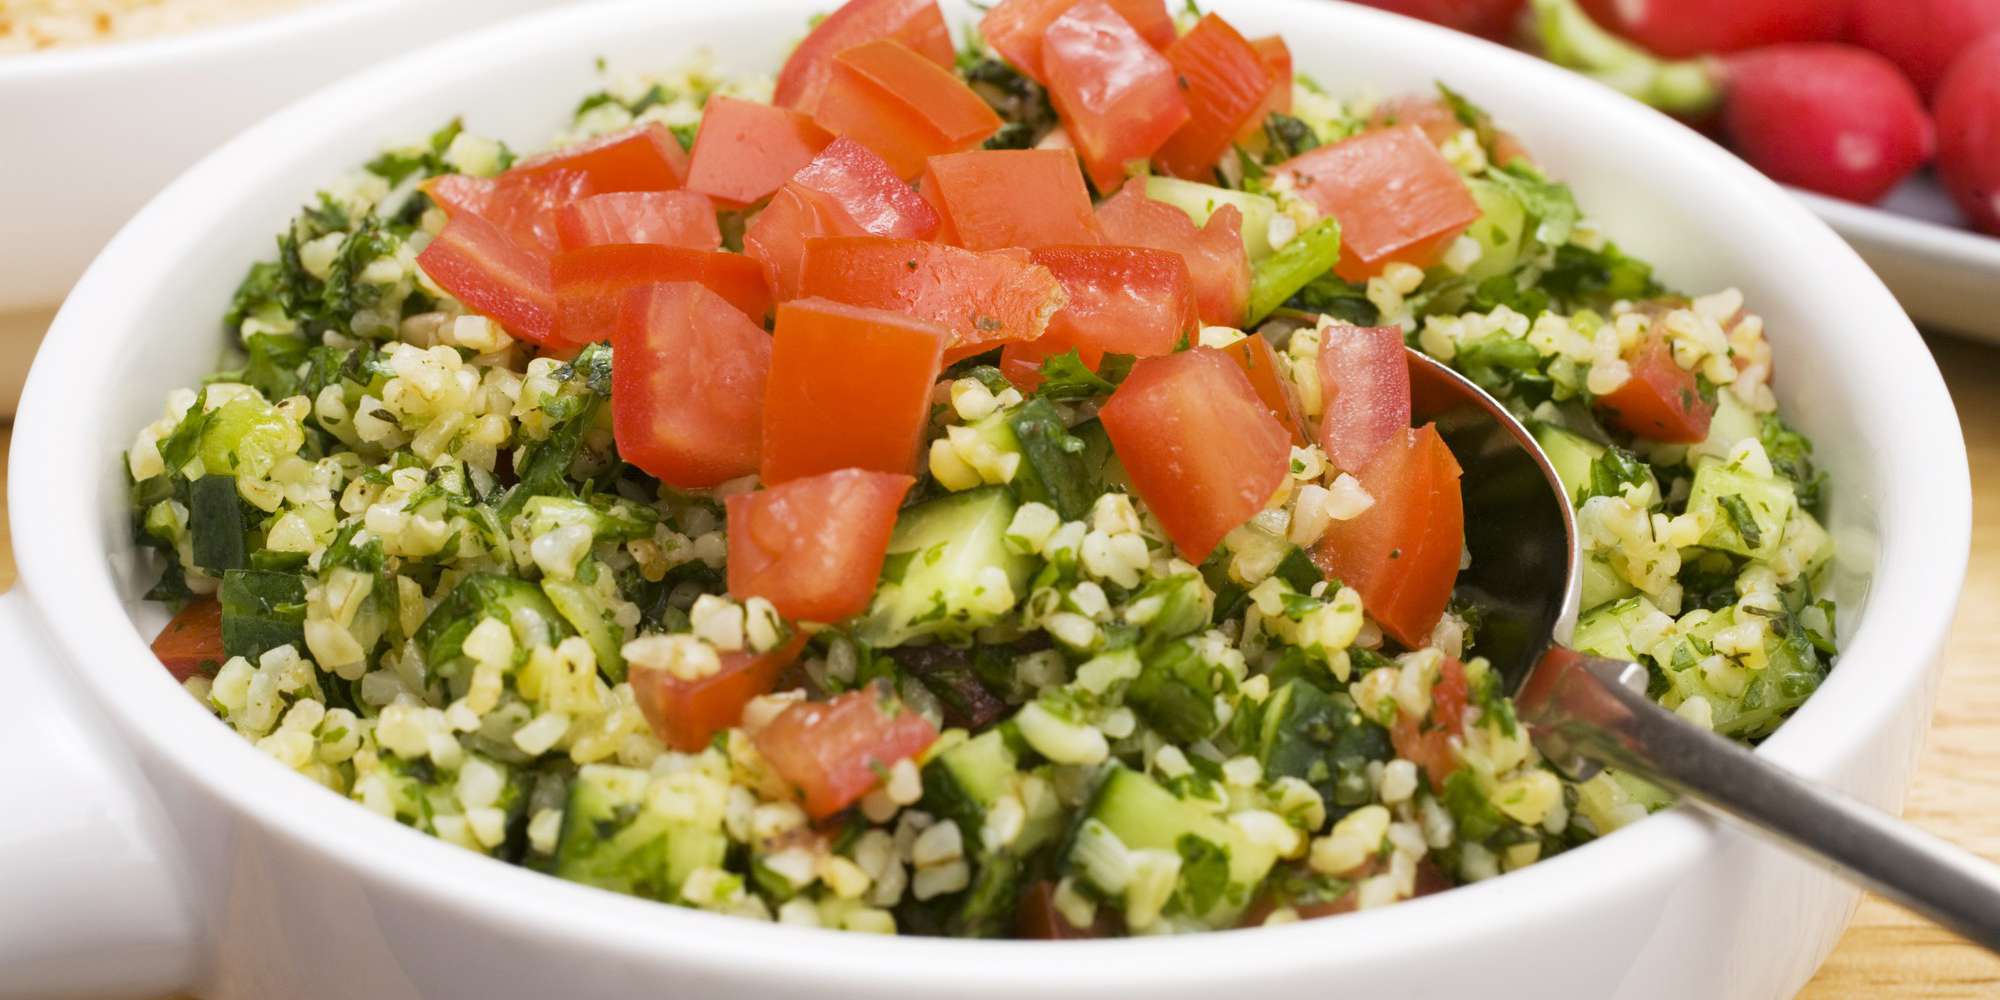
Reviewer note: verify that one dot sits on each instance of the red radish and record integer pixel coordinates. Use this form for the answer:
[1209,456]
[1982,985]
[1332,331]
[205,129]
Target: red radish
[1968,114]
[1492,18]
[1823,116]
[1922,36]
[1679,29]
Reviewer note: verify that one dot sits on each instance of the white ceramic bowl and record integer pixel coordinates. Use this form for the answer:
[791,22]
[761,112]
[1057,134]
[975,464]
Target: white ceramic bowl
[166,852]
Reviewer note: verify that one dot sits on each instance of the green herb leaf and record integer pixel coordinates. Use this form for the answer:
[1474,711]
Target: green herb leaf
[1066,377]
[1744,522]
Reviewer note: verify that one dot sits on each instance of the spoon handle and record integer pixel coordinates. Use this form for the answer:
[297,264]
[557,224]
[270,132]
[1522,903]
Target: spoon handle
[1586,708]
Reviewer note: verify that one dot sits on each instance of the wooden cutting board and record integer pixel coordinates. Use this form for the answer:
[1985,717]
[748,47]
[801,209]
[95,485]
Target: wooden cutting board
[1887,953]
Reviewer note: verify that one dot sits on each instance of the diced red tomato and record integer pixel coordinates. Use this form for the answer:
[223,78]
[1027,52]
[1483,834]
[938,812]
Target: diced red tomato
[1426,742]
[1119,98]
[687,393]
[496,277]
[1364,385]
[1441,123]
[641,158]
[524,206]
[1277,58]
[668,218]
[776,238]
[192,642]
[1214,253]
[1200,447]
[834,752]
[1254,355]
[902,106]
[1396,196]
[746,150]
[916,23]
[814,546]
[591,283]
[1121,300]
[991,199]
[1037,919]
[850,388]
[1014,28]
[1661,400]
[1402,552]
[983,299]
[1227,84]
[868,190]
[686,715]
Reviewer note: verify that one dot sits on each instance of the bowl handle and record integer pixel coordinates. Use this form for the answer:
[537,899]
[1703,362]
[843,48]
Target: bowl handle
[90,868]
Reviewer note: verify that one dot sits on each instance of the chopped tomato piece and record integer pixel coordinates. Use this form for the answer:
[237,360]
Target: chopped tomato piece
[1402,552]
[687,393]
[590,283]
[746,150]
[1277,58]
[1254,355]
[1661,400]
[1214,252]
[814,546]
[524,206]
[1442,124]
[686,714]
[776,238]
[496,277]
[1014,28]
[1121,300]
[916,23]
[1226,83]
[983,299]
[850,388]
[1200,447]
[641,158]
[902,106]
[868,190]
[1397,198]
[996,198]
[1118,97]
[192,642]
[834,752]
[668,218]
[1364,385]
[1427,742]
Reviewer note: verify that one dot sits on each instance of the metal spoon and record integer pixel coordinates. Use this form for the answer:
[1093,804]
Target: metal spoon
[1586,712]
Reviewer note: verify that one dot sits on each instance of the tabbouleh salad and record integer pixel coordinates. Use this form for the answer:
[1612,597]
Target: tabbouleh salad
[963,491]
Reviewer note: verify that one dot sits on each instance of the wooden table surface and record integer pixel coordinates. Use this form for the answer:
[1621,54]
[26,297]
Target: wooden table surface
[1887,953]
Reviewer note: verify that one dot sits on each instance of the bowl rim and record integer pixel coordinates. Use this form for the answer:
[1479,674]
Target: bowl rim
[1908,612]
[200,43]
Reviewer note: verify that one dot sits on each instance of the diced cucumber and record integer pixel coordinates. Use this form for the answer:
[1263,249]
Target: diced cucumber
[1313,252]
[1175,693]
[1571,454]
[215,520]
[1606,631]
[1501,225]
[937,583]
[1747,512]
[614,839]
[963,782]
[1601,583]
[1747,703]
[520,604]
[262,610]
[1200,201]
[1144,815]
[1732,423]
[585,611]
[1320,738]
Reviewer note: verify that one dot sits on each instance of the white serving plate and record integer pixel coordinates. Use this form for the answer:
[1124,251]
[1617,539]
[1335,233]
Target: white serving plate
[1946,276]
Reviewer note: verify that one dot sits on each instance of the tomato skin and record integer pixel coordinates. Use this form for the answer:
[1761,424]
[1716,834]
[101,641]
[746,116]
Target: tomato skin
[991,199]
[1364,378]
[192,641]
[983,299]
[668,218]
[1014,28]
[590,283]
[524,206]
[1428,744]
[1277,58]
[1227,83]
[687,395]
[868,190]
[776,238]
[834,752]
[1402,552]
[1396,196]
[1118,97]
[1259,362]
[1122,300]
[641,158]
[1201,449]
[1441,124]
[1661,400]
[744,150]
[902,106]
[918,24]
[814,546]
[494,276]
[686,715]
[1214,253]
[850,388]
